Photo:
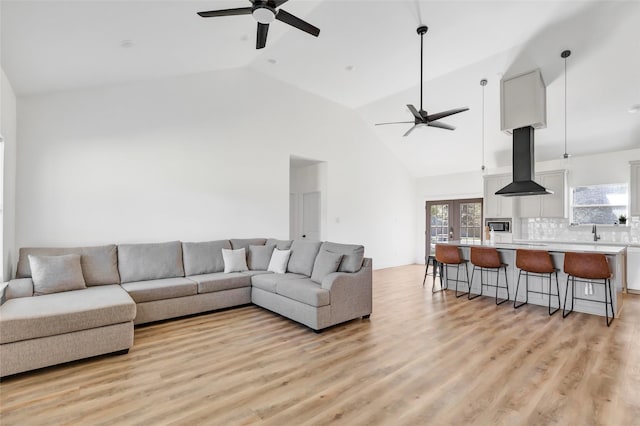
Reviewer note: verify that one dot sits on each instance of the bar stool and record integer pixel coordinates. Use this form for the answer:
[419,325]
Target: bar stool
[588,267]
[537,263]
[431,260]
[447,256]
[487,259]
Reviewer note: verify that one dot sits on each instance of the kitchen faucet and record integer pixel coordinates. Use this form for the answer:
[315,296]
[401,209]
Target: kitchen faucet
[594,230]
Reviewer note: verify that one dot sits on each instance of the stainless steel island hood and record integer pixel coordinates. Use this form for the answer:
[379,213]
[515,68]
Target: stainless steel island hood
[523,166]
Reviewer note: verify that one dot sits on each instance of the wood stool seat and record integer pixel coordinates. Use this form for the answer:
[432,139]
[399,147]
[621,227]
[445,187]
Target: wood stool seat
[586,267]
[536,263]
[487,259]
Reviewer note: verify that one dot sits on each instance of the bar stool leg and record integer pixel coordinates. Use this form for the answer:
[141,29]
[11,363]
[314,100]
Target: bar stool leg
[506,284]
[557,294]
[473,272]
[467,276]
[607,283]
[573,292]
[437,270]
[515,298]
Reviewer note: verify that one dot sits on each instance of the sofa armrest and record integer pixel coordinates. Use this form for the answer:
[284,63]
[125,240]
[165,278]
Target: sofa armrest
[3,293]
[21,287]
[351,293]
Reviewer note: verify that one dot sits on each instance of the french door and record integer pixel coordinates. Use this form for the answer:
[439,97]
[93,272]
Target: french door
[453,220]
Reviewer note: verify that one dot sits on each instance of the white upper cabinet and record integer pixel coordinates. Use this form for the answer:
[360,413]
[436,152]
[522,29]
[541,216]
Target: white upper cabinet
[497,206]
[551,205]
[634,189]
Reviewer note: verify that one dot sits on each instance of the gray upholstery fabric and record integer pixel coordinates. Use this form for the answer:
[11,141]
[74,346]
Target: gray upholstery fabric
[166,288]
[204,257]
[326,263]
[351,293]
[280,244]
[303,255]
[259,257]
[141,262]
[314,317]
[268,282]
[33,317]
[21,287]
[304,291]
[252,273]
[238,243]
[353,255]
[30,354]
[99,264]
[54,274]
[219,281]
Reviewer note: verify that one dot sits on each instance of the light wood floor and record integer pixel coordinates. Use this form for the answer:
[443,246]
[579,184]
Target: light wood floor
[420,359]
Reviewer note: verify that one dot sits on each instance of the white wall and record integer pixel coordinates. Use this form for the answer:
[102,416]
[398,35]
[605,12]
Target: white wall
[611,167]
[201,157]
[8,199]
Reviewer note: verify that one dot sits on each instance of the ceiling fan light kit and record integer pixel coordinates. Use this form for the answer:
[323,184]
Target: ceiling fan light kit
[420,117]
[265,12]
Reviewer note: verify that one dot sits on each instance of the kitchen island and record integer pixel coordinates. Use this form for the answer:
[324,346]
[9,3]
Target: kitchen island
[615,255]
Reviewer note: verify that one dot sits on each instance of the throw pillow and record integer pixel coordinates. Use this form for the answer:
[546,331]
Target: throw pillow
[54,274]
[279,261]
[234,260]
[326,263]
[259,257]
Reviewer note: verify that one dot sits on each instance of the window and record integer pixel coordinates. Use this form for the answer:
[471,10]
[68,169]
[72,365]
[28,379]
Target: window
[453,220]
[599,204]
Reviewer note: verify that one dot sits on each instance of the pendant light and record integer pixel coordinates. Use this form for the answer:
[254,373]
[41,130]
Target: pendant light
[564,55]
[483,83]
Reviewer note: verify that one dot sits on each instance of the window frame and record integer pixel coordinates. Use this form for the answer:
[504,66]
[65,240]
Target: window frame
[573,206]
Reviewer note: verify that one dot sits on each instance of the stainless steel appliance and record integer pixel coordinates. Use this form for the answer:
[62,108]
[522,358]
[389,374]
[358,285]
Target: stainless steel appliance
[499,225]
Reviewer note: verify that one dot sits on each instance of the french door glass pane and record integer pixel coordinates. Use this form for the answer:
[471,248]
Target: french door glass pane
[470,222]
[439,224]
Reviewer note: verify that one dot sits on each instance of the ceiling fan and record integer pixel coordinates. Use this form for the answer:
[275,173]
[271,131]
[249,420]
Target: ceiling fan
[421,118]
[265,12]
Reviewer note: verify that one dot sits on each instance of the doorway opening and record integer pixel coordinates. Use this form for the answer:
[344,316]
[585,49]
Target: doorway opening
[453,220]
[307,198]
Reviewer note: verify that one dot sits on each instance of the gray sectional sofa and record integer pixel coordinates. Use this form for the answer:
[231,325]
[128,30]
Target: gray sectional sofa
[133,284]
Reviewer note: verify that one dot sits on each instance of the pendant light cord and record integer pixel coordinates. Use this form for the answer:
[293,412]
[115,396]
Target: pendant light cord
[421,62]
[565,106]
[483,126]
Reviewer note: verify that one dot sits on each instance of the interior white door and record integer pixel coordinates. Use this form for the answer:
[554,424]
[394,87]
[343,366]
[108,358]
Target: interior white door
[311,216]
[293,216]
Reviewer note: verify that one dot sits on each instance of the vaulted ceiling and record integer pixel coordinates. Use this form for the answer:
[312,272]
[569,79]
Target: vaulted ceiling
[366,58]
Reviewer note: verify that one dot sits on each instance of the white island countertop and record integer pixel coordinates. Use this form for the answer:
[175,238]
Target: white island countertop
[551,247]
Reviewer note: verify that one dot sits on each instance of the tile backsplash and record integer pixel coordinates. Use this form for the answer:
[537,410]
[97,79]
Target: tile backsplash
[542,229]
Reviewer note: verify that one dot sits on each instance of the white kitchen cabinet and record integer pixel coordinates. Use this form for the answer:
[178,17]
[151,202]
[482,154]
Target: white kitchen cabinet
[634,189]
[497,206]
[550,205]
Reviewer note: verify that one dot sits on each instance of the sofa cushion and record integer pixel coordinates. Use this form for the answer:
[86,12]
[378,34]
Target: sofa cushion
[53,274]
[99,264]
[21,287]
[303,255]
[326,263]
[353,255]
[279,261]
[280,244]
[218,281]
[204,257]
[305,291]
[52,314]
[234,260]
[140,262]
[238,243]
[252,273]
[267,282]
[166,288]
[259,257]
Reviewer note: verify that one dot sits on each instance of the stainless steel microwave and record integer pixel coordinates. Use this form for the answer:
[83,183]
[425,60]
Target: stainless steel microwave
[499,225]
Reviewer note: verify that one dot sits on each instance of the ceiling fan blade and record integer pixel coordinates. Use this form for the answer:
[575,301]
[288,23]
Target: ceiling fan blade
[276,3]
[411,130]
[395,122]
[296,22]
[439,115]
[226,12]
[261,38]
[415,112]
[440,125]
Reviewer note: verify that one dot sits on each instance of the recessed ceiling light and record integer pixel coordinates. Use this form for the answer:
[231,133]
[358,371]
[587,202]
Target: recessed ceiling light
[126,43]
[349,67]
[634,109]
[272,61]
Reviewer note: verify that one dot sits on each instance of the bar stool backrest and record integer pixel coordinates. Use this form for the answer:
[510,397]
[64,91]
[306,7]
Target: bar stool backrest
[485,257]
[536,261]
[447,254]
[590,266]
